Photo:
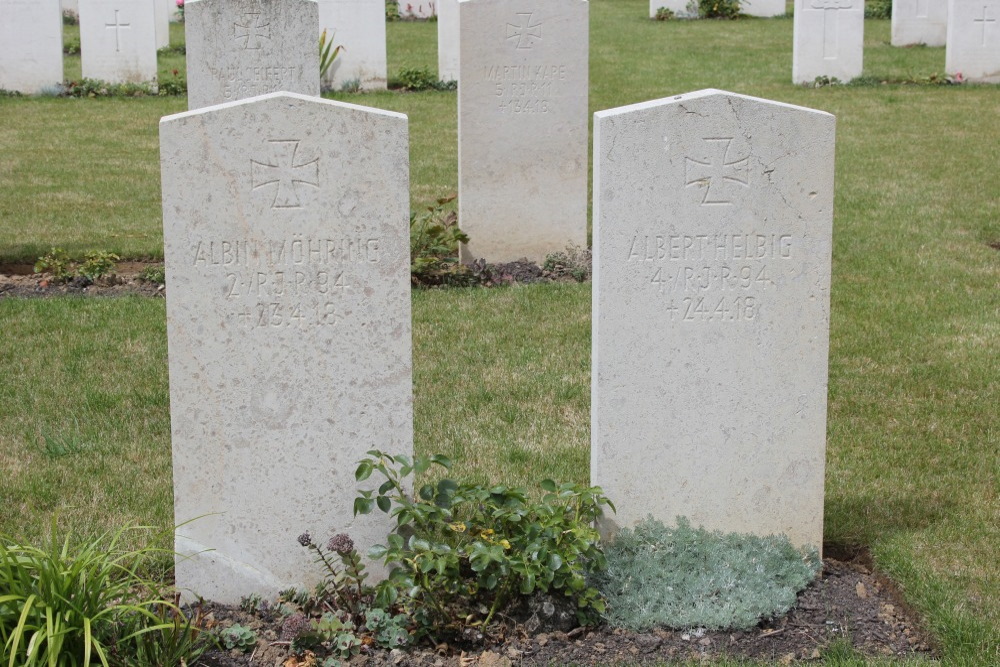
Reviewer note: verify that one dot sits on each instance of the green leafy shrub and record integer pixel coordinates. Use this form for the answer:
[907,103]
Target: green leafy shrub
[97,264]
[464,552]
[154,274]
[718,9]
[174,85]
[391,10]
[434,239]
[327,53]
[683,578]
[419,78]
[96,88]
[57,263]
[62,607]
[878,9]
[664,14]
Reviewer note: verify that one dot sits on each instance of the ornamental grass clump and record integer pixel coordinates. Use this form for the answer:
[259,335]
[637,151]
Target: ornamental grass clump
[63,607]
[692,578]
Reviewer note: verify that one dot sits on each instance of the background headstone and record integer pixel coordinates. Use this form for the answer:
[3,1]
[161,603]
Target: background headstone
[765,8]
[974,40]
[71,6]
[522,127]
[30,45]
[118,40]
[359,26]
[828,39]
[447,34]
[287,251]
[678,7]
[242,48]
[164,8]
[712,241]
[919,22]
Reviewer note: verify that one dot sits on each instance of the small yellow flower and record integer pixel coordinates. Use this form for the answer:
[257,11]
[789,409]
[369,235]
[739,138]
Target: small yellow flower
[487,532]
[505,544]
[458,527]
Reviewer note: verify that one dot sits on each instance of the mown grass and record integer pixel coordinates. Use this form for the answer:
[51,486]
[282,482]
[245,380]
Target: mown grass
[502,377]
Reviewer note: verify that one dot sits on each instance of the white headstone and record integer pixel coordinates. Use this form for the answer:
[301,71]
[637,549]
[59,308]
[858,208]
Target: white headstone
[164,8]
[118,40]
[241,48]
[764,8]
[974,40]
[712,241]
[522,127]
[287,252]
[678,7]
[919,22]
[447,33]
[358,26]
[30,45]
[417,9]
[828,39]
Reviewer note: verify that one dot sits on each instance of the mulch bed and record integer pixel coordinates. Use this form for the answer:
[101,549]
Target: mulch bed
[849,603]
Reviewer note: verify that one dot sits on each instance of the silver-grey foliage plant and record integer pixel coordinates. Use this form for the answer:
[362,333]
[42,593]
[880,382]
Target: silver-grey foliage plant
[692,578]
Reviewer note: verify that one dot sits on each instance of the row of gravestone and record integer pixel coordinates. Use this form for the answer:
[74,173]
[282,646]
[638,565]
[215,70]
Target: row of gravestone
[289,330]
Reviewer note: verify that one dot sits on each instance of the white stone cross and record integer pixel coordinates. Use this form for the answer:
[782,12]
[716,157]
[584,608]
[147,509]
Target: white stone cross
[830,29]
[117,26]
[286,174]
[251,31]
[524,30]
[984,21]
[710,174]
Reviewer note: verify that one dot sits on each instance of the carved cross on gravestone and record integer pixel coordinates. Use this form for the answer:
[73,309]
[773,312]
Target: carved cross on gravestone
[713,174]
[118,26]
[283,171]
[251,31]
[984,21]
[831,30]
[524,30]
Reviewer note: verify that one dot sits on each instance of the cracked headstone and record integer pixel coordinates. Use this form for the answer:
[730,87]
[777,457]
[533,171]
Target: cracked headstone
[712,231]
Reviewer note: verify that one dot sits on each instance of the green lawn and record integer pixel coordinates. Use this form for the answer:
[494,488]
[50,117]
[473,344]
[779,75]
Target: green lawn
[502,376]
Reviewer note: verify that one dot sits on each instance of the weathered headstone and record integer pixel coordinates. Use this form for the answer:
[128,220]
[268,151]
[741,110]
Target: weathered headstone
[712,241]
[447,30]
[678,7]
[919,22]
[974,40]
[242,48]
[118,40]
[30,45]
[522,127]
[828,39]
[288,324]
[358,26]
[764,8]
[164,8]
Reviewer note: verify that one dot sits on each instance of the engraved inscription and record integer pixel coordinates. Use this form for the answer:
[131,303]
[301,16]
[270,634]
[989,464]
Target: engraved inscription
[524,32]
[831,32]
[243,81]
[118,26]
[283,172]
[252,31]
[272,315]
[985,21]
[713,176]
[524,89]
[711,277]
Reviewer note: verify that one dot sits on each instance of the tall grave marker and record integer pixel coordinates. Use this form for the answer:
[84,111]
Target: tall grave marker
[919,22]
[287,251]
[447,34]
[241,48]
[30,45]
[118,40]
[828,39]
[358,26]
[712,240]
[522,127]
[974,40]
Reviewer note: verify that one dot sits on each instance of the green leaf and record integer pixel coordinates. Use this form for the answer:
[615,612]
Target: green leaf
[548,485]
[528,584]
[364,471]
[363,506]
[441,460]
[383,503]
